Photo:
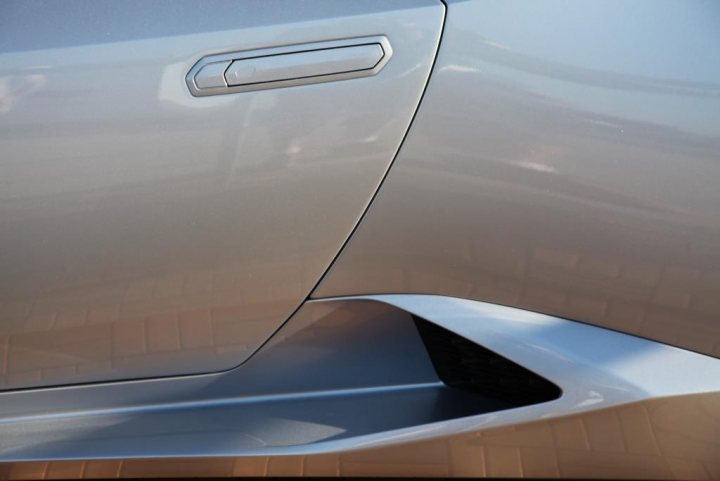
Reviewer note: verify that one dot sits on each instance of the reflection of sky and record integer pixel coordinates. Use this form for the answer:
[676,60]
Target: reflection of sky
[698,114]
[634,37]
[647,61]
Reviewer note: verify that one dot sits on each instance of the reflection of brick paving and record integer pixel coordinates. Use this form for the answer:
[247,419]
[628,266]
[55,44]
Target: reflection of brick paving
[119,331]
[494,251]
[523,196]
[672,438]
[679,307]
[638,298]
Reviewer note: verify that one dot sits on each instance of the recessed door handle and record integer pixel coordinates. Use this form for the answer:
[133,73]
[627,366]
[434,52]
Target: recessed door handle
[289,66]
[304,64]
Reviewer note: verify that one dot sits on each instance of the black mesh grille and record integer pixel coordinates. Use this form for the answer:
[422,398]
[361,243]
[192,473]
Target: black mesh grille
[462,364]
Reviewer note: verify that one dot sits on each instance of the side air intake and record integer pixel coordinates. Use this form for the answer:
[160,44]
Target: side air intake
[464,365]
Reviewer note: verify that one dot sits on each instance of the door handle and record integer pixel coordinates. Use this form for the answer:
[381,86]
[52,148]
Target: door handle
[289,66]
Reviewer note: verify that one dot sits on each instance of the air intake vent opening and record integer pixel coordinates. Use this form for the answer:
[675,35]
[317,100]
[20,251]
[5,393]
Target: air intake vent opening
[464,365]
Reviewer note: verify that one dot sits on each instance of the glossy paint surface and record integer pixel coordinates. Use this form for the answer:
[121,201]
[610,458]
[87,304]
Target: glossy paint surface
[347,385]
[565,160]
[644,440]
[147,232]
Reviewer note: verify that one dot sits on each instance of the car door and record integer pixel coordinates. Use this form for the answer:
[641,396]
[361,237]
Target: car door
[175,177]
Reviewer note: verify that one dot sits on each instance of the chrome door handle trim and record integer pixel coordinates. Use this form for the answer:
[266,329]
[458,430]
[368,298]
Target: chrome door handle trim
[288,66]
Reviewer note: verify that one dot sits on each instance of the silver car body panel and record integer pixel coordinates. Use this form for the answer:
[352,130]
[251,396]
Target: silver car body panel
[565,160]
[315,390]
[147,232]
[661,439]
[248,284]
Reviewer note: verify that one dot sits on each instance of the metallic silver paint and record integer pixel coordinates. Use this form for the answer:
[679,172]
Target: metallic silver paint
[146,232]
[669,438]
[565,159]
[290,400]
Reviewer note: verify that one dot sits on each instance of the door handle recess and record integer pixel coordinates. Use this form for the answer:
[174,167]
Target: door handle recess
[289,66]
